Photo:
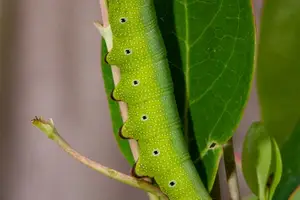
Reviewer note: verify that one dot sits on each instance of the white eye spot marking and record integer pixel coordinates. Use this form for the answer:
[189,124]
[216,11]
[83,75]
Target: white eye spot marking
[123,20]
[156,152]
[172,183]
[127,52]
[135,83]
[144,117]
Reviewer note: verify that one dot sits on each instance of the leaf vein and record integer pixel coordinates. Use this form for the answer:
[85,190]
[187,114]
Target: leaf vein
[187,70]
[224,69]
[208,25]
[237,85]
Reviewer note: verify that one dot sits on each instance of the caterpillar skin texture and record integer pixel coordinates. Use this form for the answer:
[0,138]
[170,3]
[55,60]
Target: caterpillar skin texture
[146,86]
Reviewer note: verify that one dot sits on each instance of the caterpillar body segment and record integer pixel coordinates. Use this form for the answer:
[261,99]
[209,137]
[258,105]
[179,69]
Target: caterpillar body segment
[143,80]
[147,88]
[146,116]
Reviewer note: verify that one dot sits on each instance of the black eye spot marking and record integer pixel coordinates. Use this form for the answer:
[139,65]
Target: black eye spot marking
[156,152]
[135,82]
[144,117]
[172,183]
[127,52]
[213,145]
[123,20]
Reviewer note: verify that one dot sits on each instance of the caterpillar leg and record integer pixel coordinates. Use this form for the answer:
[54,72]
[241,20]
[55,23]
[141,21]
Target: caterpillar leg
[118,93]
[120,134]
[126,132]
[136,170]
[112,96]
[124,136]
[105,59]
[111,58]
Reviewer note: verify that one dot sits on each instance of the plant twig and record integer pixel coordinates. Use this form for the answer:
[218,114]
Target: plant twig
[238,160]
[153,197]
[49,129]
[231,171]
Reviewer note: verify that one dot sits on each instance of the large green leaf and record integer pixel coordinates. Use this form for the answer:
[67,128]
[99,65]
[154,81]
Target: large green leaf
[295,195]
[210,47]
[278,67]
[290,152]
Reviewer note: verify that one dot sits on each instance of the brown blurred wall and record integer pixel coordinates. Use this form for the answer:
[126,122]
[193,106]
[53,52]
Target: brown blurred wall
[50,66]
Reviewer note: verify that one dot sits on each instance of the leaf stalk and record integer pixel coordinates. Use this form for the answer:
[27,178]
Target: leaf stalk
[49,129]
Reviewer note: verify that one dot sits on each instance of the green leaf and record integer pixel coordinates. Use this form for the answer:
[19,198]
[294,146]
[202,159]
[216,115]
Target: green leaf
[278,67]
[114,107]
[295,195]
[276,169]
[210,47]
[261,161]
[291,166]
[256,159]
[211,158]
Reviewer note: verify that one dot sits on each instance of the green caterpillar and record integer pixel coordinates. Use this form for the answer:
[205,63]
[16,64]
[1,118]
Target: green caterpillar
[147,88]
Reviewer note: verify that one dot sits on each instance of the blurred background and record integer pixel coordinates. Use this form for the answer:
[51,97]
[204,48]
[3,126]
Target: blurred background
[50,66]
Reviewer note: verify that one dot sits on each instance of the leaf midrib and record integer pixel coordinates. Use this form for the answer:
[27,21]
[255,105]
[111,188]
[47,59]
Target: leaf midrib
[187,72]
[187,68]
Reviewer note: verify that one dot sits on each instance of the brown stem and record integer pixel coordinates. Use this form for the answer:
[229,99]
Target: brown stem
[231,171]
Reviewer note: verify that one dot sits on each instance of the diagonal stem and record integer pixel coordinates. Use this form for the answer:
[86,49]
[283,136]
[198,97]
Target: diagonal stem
[49,129]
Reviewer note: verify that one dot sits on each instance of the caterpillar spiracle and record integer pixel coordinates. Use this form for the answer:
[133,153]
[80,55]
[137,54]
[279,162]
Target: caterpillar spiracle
[146,87]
